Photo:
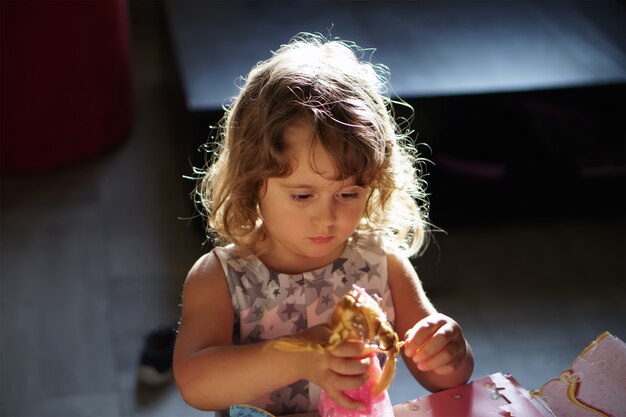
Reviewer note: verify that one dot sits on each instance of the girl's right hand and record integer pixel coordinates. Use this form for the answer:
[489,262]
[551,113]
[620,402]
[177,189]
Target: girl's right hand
[345,367]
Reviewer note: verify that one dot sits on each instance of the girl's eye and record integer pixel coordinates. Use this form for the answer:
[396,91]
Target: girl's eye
[301,197]
[347,196]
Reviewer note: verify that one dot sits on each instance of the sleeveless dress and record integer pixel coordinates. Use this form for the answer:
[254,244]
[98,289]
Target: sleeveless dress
[268,304]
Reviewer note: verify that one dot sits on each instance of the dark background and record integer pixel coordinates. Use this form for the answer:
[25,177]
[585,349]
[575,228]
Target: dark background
[520,103]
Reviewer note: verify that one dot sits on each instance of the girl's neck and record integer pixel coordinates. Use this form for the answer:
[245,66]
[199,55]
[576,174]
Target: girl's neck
[279,261]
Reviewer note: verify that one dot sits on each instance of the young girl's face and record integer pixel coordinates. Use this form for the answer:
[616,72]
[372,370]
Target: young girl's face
[308,215]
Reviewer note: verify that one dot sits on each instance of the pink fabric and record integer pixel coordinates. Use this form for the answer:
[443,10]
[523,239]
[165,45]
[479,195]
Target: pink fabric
[379,406]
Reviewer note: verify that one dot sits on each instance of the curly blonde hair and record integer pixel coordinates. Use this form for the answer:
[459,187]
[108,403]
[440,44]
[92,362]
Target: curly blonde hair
[346,98]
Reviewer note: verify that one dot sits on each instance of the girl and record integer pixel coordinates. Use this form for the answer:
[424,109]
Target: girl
[313,188]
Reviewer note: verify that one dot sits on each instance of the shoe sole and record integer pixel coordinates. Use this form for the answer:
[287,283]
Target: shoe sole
[149,376]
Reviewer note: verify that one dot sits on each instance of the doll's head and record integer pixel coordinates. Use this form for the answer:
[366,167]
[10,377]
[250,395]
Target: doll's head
[344,97]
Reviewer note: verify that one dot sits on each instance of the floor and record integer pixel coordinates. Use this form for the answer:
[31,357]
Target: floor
[94,255]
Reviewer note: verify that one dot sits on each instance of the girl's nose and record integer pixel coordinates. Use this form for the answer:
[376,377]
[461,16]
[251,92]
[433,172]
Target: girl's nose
[324,214]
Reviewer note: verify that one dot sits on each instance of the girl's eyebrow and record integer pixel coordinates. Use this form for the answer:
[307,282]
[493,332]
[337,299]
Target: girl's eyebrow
[294,184]
[347,184]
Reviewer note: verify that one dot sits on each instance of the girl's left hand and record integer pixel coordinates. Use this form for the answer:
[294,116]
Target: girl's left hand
[436,343]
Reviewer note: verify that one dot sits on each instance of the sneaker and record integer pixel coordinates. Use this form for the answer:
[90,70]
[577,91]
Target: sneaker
[155,365]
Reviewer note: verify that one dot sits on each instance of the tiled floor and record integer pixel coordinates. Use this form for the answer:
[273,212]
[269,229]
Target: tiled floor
[94,255]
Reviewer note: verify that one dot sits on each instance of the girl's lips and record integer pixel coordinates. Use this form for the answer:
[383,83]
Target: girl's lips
[322,239]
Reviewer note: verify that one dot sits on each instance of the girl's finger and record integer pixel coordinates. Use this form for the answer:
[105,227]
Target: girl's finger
[335,383]
[438,340]
[439,360]
[356,366]
[351,348]
[419,334]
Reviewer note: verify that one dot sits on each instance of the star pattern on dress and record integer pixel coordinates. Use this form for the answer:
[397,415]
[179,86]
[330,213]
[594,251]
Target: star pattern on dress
[300,324]
[299,388]
[254,292]
[372,272]
[326,299]
[319,284]
[255,334]
[277,404]
[291,289]
[289,310]
[238,275]
[274,278]
[350,266]
[338,264]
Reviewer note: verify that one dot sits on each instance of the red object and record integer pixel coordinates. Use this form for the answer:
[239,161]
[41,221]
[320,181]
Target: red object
[66,89]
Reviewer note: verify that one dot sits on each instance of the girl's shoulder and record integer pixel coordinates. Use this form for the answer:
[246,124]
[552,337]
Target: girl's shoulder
[212,267]
[230,252]
[237,261]
[369,241]
[206,268]
[374,244]
[205,284]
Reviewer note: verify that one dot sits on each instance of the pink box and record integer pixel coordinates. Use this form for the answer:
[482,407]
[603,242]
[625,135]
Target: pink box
[493,395]
[594,386]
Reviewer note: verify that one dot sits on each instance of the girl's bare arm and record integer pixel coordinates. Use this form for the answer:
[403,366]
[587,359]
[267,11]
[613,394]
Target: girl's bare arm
[212,373]
[436,351]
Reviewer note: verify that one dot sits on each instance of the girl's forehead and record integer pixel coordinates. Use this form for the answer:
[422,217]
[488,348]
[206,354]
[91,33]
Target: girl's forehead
[307,154]
[298,132]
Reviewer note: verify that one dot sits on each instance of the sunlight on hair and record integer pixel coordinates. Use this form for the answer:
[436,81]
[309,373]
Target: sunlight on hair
[332,83]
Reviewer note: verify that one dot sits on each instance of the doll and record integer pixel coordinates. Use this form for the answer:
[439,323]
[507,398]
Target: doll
[358,315]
